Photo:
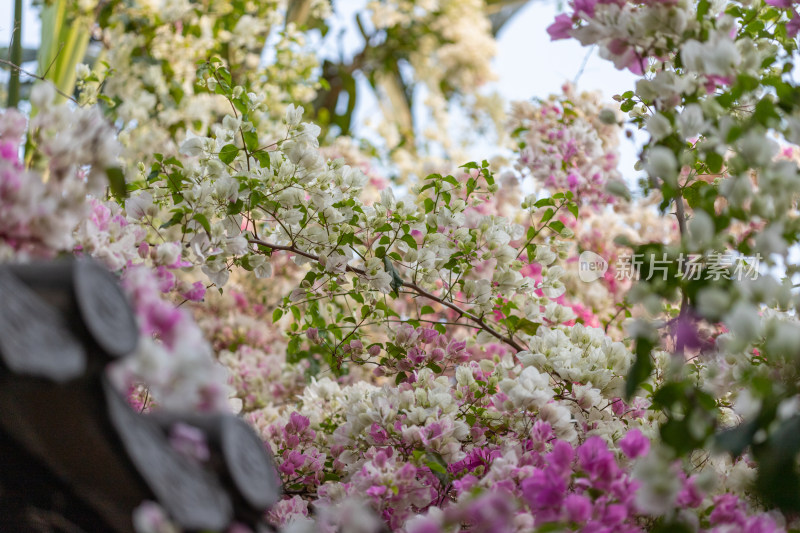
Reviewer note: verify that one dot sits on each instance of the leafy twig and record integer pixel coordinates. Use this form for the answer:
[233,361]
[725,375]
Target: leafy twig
[414,288]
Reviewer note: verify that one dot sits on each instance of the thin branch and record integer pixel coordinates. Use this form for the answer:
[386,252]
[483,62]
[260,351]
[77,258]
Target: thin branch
[583,65]
[53,61]
[681,214]
[610,320]
[40,78]
[414,288]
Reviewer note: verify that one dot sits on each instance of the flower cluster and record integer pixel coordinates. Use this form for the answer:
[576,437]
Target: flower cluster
[173,359]
[245,199]
[570,144]
[428,358]
[156,100]
[43,198]
[452,455]
[716,104]
[580,355]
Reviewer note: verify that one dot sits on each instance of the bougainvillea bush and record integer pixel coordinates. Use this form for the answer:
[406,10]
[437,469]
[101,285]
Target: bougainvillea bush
[427,343]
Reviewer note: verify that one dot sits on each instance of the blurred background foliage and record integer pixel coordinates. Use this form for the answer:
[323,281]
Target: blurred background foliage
[361,61]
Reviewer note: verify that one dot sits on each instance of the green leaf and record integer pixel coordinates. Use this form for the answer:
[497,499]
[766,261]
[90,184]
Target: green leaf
[173,161]
[641,368]
[703,6]
[735,440]
[436,368]
[177,218]
[228,153]
[471,184]
[251,140]
[675,434]
[573,208]
[245,262]
[234,208]
[527,326]
[714,162]
[777,480]
[201,218]
[116,182]
[293,350]
[438,466]
[426,310]
[670,394]
[262,156]
[671,527]
[155,170]
[765,112]
[550,527]
[557,226]
[329,476]
[409,240]
[224,76]
[277,314]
